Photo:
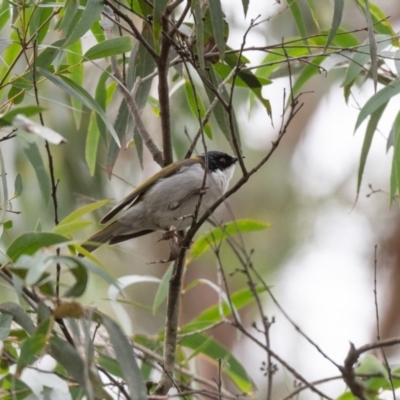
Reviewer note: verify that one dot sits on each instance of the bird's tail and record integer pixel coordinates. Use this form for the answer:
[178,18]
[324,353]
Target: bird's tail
[101,237]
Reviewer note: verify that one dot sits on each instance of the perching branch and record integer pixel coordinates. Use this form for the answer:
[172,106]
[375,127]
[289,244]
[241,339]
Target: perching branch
[171,325]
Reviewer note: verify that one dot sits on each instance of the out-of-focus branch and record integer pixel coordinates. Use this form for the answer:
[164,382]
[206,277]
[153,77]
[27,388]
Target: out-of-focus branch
[163,92]
[347,370]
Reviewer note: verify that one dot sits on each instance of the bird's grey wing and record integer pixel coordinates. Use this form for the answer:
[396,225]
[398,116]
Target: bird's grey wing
[137,194]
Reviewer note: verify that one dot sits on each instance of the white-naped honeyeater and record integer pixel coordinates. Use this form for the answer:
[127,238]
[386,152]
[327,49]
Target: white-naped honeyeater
[167,199]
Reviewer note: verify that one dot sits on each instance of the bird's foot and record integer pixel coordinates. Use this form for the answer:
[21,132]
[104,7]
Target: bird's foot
[201,191]
[175,239]
[169,235]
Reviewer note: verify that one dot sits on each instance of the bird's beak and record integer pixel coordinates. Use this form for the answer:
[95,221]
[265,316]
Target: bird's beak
[237,158]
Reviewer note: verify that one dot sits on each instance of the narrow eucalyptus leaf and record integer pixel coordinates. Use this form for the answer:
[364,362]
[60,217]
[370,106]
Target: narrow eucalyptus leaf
[19,316]
[18,185]
[126,359]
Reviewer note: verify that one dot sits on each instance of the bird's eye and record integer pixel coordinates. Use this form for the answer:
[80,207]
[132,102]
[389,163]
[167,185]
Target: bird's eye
[222,160]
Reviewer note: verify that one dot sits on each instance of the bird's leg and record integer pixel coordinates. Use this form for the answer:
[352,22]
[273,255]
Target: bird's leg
[174,231]
[168,235]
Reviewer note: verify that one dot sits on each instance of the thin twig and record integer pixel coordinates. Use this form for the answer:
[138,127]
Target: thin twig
[208,113]
[237,324]
[136,32]
[181,370]
[134,109]
[119,385]
[172,380]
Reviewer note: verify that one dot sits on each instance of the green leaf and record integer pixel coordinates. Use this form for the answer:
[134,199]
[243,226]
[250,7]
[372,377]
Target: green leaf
[369,134]
[142,66]
[8,224]
[344,39]
[19,316]
[74,262]
[394,381]
[89,16]
[29,350]
[10,56]
[16,387]
[216,235]
[92,143]
[18,186]
[306,74]
[218,24]
[4,13]
[162,291]
[83,96]
[196,105]
[47,56]
[125,358]
[97,127]
[30,243]
[41,14]
[377,100]
[347,396]
[230,365]
[69,17]
[245,4]
[84,210]
[144,7]
[220,113]
[372,45]
[298,17]
[372,366]
[5,325]
[294,47]
[81,278]
[7,119]
[110,365]
[98,32]
[74,59]
[358,61]
[395,174]
[356,65]
[336,21]
[35,266]
[159,9]
[110,47]
[313,12]
[121,125]
[380,21]
[69,358]
[212,315]
[69,228]
[245,78]
[199,31]
[35,158]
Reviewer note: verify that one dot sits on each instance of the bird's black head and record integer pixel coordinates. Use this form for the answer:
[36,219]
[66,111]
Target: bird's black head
[218,160]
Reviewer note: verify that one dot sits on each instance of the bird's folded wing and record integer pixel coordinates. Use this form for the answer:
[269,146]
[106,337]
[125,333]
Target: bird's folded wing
[136,195]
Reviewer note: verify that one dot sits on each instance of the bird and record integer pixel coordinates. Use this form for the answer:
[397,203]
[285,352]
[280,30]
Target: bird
[168,199]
